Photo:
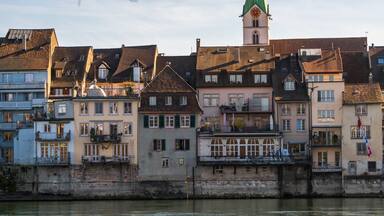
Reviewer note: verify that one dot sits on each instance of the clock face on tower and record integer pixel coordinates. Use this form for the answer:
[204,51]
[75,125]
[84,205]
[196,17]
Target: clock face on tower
[255,12]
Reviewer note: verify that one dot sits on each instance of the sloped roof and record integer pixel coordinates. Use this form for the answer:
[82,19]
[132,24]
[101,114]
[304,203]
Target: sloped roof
[108,57]
[145,54]
[262,4]
[287,46]
[234,59]
[330,61]
[185,66]
[356,67]
[362,94]
[37,53]
[73,62]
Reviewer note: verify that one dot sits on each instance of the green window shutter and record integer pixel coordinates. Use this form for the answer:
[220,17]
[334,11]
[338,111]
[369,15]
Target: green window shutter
[163,145]
[146,121]
[161,121]
[177,121]
[193,121]
[187,145]
[154,145]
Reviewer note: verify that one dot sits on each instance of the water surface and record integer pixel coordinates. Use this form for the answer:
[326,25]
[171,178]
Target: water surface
[271,207]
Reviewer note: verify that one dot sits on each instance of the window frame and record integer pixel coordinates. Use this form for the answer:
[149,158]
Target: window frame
[153,122]
[152,101]
[101,106]
[167,121]
[185,121]
[361,110]
[62,109]
[84,129]
[128,108]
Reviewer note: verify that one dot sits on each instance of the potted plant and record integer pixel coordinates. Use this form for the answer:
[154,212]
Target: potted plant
[93,134]
[239,124]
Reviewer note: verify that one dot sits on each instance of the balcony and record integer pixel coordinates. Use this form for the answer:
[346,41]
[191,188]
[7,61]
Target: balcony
[255,160]
[245,108]
[44,161]
[53,136]
[38,102]
[326,167]
[328,137]
[104,159]
[15,105]
[34,85]
[334,142]
[114,138]
[9,126]
[232,129]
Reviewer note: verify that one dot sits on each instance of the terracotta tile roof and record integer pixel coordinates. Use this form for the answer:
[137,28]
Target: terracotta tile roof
[37,53]
[146,55]
[356,67]
[73,61]
[287,46]
[185,66]
[330,61]
[109,57]
[168,83]
[234,59]
[362,94]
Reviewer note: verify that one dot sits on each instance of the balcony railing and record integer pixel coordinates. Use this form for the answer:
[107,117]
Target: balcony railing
[105,159]
[252,160]
[52,161]
[326,142]
[231,129]
[14,105]
[15,125]
[244,108]
[53,136]
[114,138]
[34,85]
[326,167]
[38,102]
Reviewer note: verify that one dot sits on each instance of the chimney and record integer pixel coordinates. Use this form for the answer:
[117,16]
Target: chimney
[198,43]
[373,45]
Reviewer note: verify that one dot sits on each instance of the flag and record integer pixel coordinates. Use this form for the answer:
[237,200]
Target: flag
[369,149]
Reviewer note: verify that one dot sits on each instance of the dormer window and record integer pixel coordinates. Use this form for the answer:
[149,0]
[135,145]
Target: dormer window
[236,78]
[289,85]
[261,79]
[183,101]
[211,78]
[136,73]
[380,60]
[59,73]
[152,101]
[102,72]
[168,100]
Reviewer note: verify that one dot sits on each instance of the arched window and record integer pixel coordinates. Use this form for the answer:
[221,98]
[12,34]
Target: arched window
[253,148]
[255,23]
[232,148]
[102,72]
[255,38]
[217,148]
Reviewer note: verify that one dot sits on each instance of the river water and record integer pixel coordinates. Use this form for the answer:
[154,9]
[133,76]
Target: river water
[358,207]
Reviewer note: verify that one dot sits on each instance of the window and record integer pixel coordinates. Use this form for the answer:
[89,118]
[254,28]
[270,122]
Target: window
[301,109]
[255,38]
[165,162]
[113,108]
[218,169]
[326,96]
[92,151]
[289,85]
[211,78]
[360,133]
[261,79]
[261,104]
[372,166]
[316,78]
[59,73]
[102,72]
[9,96]
[159,145]
[7,117]
[361,149]
[352,165]
[236,99]
[62,108]
[54,151]
[7,136]
[337,159]
[322,159]
[217,147]
[121,151]
[99,128]
[326,115]
[286,125]
[153,121]
[182,145]
[361,110]
[185,121]
[211,100]
[331,78]
[380,60]
[84,129]
[83,108]
[183,100]
[98,108]
[238,78]
[255,23]
[168,100]
[47,128]
[152,101]
[300,125]
[181,162]
[169,121]
[28,78]
[127,128]
[285,109]
[127,108]
[59,92]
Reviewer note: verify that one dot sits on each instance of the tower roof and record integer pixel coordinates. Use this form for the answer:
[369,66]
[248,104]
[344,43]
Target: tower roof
[262,4]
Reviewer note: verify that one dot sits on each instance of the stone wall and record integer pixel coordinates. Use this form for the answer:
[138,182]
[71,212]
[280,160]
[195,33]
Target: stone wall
[327,184]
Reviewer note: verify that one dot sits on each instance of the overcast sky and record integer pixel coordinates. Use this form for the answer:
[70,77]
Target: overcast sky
[175,24]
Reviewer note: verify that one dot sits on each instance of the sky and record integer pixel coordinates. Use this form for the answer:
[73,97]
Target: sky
[174,25]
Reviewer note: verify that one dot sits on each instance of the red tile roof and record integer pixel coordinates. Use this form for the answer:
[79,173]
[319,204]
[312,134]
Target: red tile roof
[329,62]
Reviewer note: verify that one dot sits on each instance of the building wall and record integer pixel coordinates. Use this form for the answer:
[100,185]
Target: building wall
[150,161]
[24,147]
[349,145]
[107,118]
[69,106]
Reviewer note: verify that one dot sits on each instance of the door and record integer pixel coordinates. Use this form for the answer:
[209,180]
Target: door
[352,170]
[60,130]
[113,130]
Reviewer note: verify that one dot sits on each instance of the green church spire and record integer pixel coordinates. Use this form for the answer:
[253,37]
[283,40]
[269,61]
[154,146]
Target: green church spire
[262,4]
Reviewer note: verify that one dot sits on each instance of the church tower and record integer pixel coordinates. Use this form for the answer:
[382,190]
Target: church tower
[256,23]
